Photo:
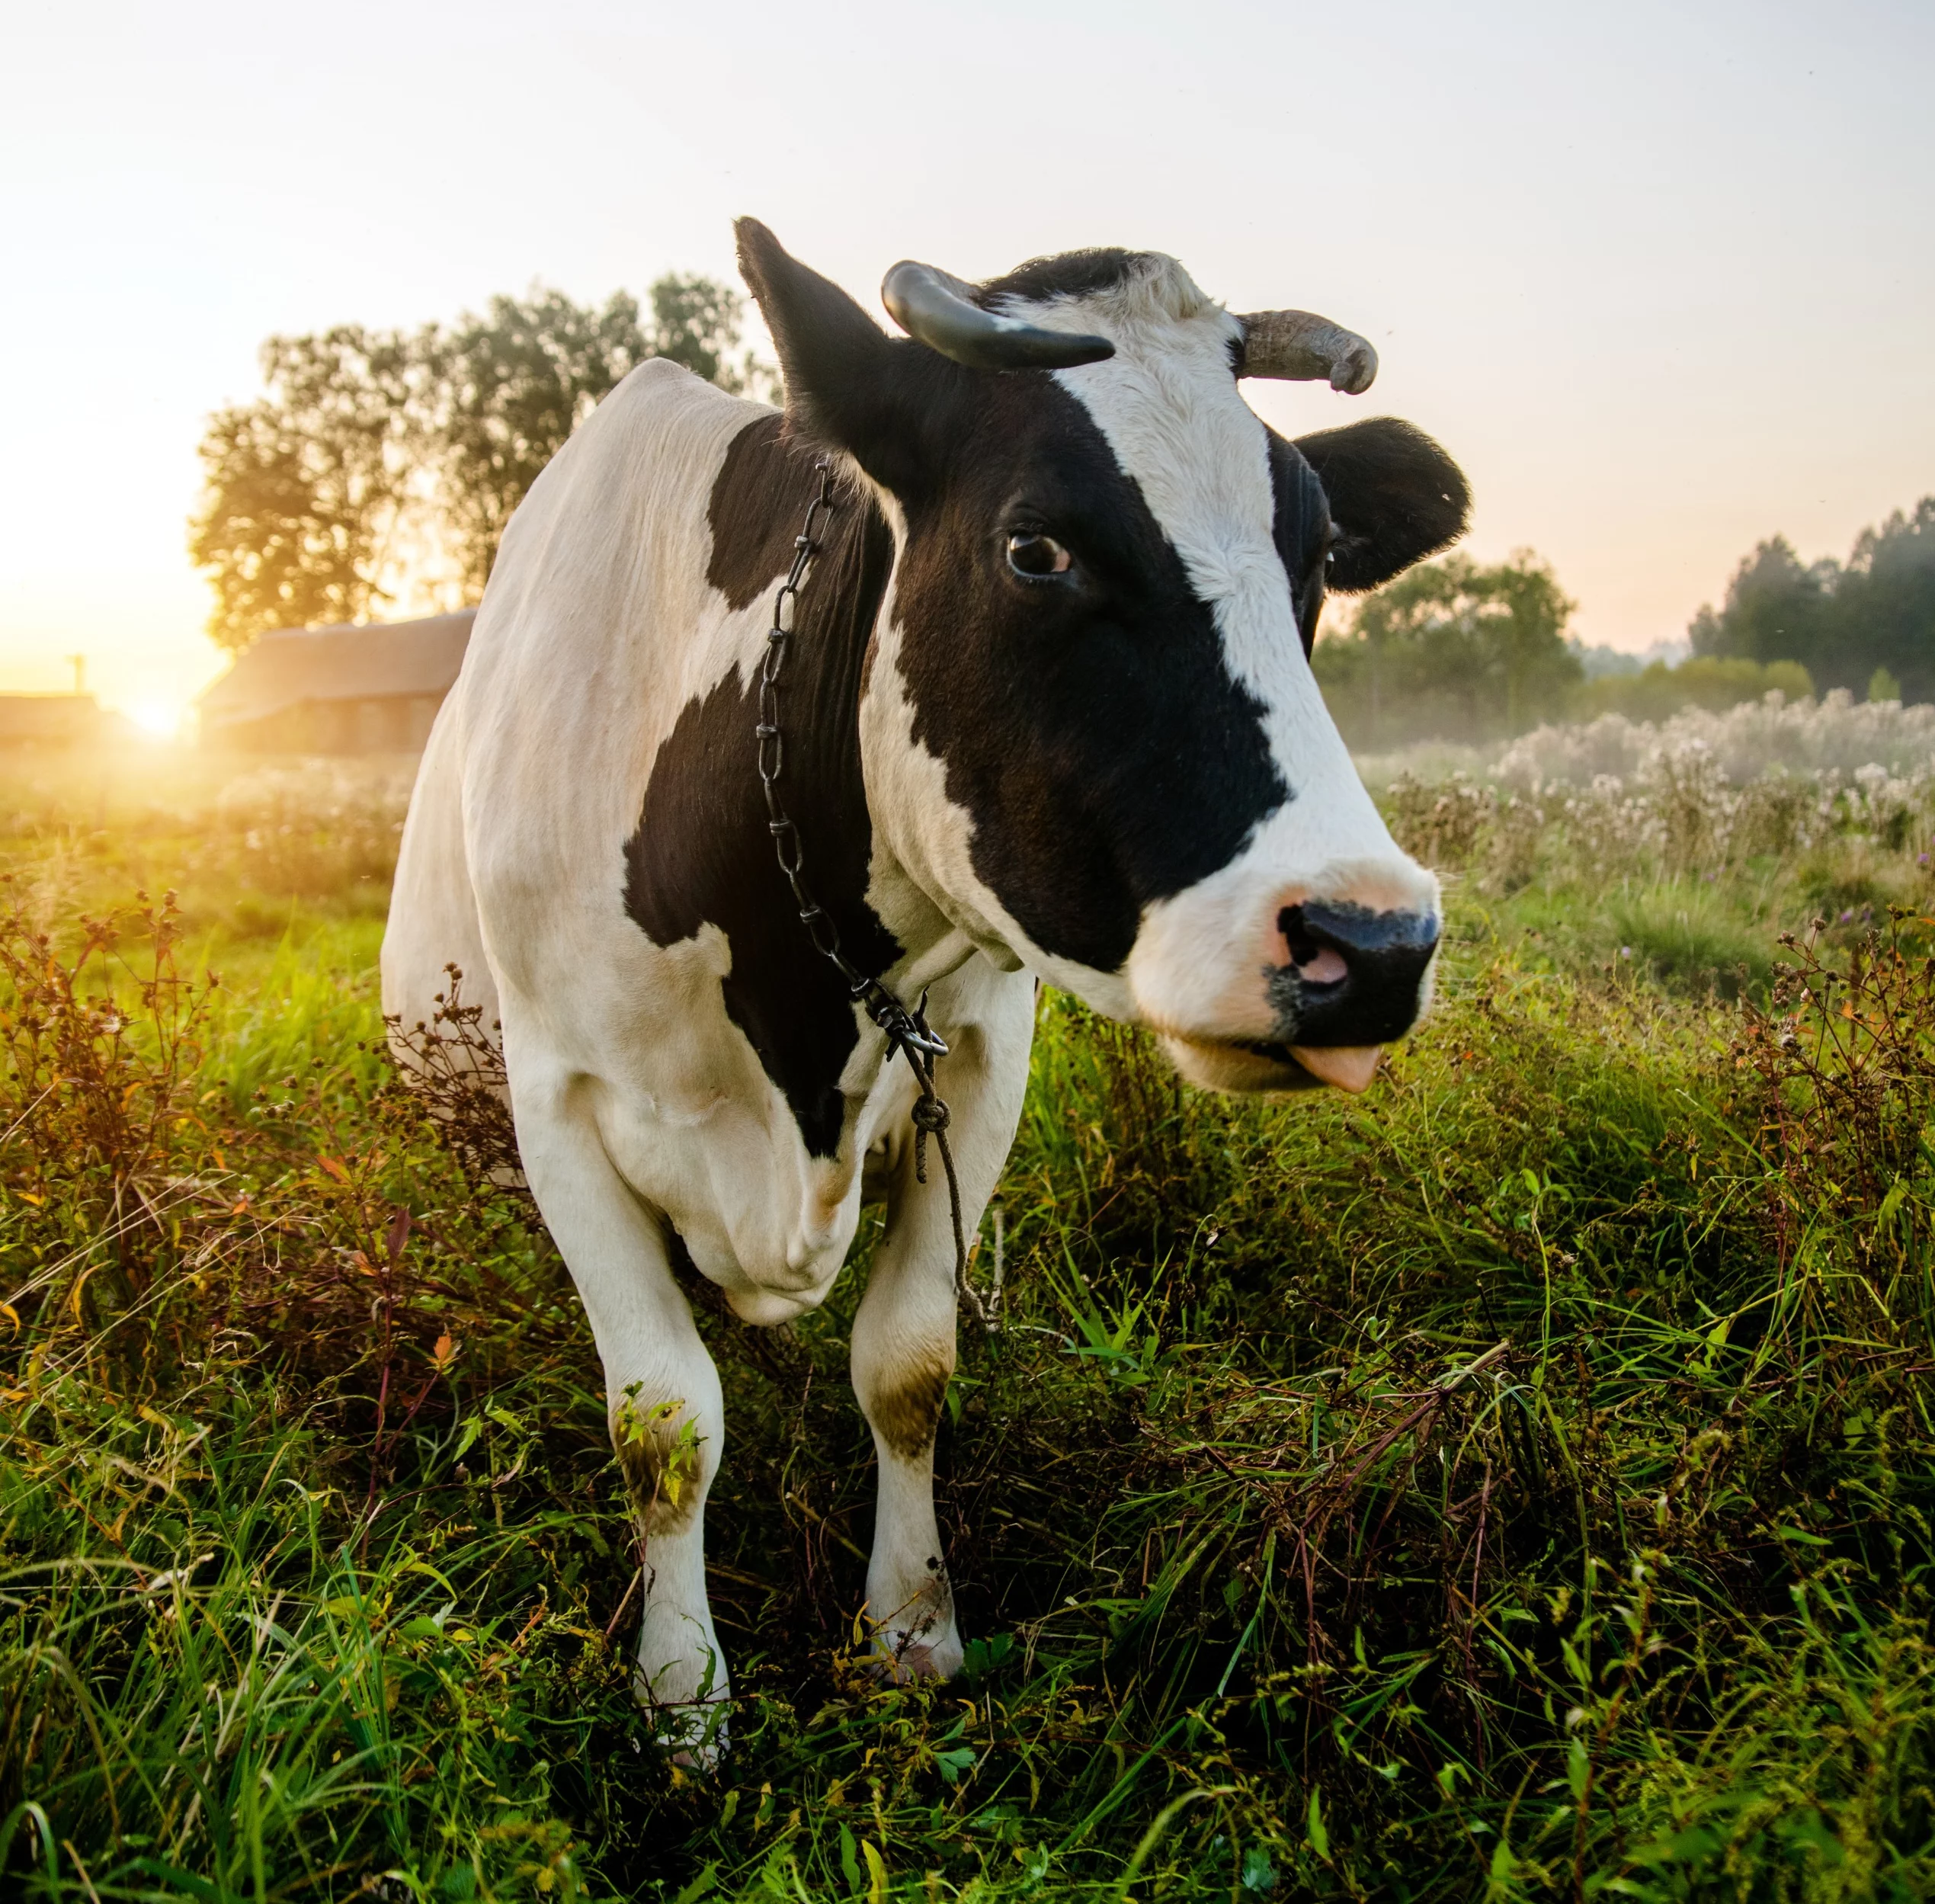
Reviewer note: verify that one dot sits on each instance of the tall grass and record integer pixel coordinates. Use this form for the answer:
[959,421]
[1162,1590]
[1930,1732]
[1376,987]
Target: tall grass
[1515,1483]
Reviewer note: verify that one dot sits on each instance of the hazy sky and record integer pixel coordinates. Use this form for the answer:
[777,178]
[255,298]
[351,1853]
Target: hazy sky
[1661,277]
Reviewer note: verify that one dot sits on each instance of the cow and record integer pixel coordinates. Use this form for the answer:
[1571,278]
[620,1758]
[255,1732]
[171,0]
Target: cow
[1047,715]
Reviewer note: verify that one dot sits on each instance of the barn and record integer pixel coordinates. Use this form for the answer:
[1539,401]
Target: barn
[370,687]
[51,723]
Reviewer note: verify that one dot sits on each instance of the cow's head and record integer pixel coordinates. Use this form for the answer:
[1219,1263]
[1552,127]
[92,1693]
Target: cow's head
[1092,739]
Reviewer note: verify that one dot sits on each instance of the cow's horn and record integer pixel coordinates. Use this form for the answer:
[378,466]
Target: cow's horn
[1301,347]
[940,311]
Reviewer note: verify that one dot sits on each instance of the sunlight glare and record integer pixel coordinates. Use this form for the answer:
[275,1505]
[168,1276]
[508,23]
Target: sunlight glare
[160,719]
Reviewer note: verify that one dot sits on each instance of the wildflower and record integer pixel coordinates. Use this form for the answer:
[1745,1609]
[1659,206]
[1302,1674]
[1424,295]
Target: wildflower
[1626,951]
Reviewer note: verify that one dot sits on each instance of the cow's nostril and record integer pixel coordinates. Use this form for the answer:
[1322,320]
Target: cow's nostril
[1290,929]
[1315,963]
[1320,966]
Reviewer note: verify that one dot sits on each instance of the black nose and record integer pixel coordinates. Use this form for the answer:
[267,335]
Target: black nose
[1353,975]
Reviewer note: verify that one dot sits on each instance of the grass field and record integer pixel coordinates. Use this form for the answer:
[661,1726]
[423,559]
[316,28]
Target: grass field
[1518,1482]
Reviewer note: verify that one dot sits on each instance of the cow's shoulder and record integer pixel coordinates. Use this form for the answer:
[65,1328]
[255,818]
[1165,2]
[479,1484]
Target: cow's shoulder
[638,469]
[600,585]
[701,851]
[756,507]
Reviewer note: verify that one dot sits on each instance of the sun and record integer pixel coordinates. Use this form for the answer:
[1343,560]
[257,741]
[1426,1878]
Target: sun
[158,718]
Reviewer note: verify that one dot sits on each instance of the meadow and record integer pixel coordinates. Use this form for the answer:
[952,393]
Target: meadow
[1518,1482]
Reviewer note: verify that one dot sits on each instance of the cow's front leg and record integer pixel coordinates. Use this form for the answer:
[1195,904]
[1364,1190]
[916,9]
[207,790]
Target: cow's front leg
[662,1391]
[903,1352]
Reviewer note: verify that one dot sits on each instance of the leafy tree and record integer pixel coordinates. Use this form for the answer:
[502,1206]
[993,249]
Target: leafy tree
[1713,681]
[380,462]
[696,322]
[1886,602]
[510,388]
[1451,649]
[303,486]
[1776,608]
[1842,623]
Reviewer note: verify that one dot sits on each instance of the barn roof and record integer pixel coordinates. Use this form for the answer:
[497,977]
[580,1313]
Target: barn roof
[370,661]
[57,719]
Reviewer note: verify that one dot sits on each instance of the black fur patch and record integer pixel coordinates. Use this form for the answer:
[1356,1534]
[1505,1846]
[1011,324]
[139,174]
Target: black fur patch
[1089,725]
[757,505]
[1066,274]
[701,853]
[1302,530]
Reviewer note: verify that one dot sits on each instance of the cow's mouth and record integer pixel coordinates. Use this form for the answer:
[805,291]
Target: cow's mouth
[1345,1067]
[1247,1065]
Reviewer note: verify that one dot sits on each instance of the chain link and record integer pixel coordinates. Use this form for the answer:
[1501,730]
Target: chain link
[907,1032]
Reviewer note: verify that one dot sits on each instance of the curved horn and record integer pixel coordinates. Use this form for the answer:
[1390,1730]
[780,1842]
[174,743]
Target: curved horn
[1301,347]
[937,309]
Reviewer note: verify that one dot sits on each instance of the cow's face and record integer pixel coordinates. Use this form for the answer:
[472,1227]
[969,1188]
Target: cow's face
[1092,736]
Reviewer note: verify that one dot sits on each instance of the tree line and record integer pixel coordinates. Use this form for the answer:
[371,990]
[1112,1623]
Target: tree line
[378,465]
[1458,650]
[1866,624]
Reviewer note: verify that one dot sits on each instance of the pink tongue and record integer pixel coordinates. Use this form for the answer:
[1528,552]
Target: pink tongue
[1349,1067]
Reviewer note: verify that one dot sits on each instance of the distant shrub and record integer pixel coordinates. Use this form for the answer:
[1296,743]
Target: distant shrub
[1751,739]
[1440,825]
[311,828]
[1841,797]
[1705,680]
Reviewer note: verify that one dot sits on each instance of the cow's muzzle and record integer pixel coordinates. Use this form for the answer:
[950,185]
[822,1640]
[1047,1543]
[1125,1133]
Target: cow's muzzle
[1346,980]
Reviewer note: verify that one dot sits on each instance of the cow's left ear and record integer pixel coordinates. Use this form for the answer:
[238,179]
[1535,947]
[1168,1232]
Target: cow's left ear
[1395,497]
[848,384]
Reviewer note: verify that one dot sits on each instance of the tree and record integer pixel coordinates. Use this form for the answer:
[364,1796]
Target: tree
[1776,607]
[1454,649]
[1842,623]
[696,322]
[381,464]
[1886,602]
[302,488]
[510,387]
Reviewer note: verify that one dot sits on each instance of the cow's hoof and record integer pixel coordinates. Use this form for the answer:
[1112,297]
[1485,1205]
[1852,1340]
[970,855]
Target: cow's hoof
[907,1659]
[694,1739]
[692,1732]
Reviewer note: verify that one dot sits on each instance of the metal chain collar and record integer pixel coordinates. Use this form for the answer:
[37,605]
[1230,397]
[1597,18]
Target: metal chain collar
[907,1032]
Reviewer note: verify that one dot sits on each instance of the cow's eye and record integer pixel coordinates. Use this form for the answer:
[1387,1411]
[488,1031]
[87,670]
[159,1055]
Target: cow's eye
[1031,555]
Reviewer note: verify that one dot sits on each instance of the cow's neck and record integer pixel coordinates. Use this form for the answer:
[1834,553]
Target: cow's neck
[703,853]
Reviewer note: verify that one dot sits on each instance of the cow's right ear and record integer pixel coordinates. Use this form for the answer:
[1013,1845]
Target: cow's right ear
[848,384]
[1395,497]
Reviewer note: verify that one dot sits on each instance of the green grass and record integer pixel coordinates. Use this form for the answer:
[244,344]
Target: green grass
[1515,1483]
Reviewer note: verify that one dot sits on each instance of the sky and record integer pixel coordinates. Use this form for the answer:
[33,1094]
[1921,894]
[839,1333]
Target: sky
[1660,277]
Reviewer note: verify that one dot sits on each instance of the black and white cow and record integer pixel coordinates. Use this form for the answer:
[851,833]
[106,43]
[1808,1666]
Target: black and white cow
[1049,714]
